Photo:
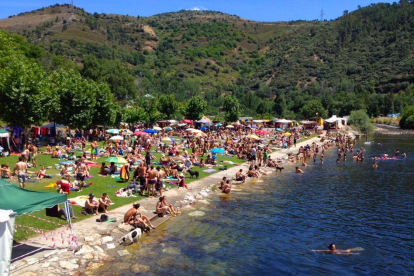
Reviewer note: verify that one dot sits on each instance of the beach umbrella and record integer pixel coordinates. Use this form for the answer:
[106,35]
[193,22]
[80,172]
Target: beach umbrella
[230,126]
[187,121]
[151,131]
[287,133]
[254,137]
[113,131]
[167,128]
[116,160]
[140,133]
[126,131]
[219,125]
[279,129]
[196,130]
[200,134]
[116,137]
[157,128]
[262,132]
[190,129]
[167,140]
[218,150]
[203,128]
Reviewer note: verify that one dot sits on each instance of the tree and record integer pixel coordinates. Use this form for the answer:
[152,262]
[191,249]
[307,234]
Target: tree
[25,96]
[313,107]
[75,99]
[231,108]
[407,118]
[133,115]
[280,105]
[195,108]
[105,107]
[361,120]
[168,106]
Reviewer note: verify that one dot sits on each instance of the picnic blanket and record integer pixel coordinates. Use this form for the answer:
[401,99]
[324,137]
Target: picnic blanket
[79,200]
[67,162]
[210,170]
[92,164]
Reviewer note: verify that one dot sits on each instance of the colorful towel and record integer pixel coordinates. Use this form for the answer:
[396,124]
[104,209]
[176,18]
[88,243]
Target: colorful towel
[51,185]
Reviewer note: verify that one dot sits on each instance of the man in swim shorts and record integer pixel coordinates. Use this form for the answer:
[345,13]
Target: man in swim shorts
[20,169]
[152,180]
[240,176]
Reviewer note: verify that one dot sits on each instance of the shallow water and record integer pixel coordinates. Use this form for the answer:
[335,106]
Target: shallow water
[271,227]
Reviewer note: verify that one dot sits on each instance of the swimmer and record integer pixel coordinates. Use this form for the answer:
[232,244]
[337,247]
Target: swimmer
[332,249]
[298,170]
[304,164]
[404,155]
[375,165]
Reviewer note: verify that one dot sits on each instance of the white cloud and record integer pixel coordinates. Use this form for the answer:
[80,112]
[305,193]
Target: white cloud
[198,9]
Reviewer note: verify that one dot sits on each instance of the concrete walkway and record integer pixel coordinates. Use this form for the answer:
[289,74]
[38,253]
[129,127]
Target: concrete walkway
[31,265]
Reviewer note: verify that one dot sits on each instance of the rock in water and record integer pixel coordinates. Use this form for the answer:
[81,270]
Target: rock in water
[172,250]
[197,214]
[136,268]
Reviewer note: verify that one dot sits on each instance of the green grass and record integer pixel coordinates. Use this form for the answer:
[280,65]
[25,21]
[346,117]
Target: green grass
[99,186]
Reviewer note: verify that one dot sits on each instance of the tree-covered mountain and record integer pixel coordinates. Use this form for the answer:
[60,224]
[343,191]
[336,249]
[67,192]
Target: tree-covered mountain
[364,59]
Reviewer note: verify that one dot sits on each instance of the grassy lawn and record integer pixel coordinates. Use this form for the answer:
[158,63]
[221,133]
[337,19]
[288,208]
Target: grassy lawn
[99,186]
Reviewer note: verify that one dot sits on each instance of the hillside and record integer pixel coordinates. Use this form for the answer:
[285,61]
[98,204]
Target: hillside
[364,59]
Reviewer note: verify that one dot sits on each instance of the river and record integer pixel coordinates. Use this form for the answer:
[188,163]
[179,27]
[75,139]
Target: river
[270,226]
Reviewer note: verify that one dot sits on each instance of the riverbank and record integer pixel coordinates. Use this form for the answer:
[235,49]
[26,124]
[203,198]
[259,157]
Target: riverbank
[97,241]
[392,130]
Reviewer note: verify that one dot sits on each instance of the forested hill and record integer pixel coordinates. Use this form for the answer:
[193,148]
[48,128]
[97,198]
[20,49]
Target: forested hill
[364,59]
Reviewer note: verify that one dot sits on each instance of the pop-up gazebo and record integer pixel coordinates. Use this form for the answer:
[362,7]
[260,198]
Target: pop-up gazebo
[22,201]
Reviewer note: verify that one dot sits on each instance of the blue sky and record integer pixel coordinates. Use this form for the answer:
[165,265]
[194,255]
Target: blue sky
[258,10]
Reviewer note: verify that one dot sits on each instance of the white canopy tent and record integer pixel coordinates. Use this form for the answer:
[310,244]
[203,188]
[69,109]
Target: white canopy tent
[6,239]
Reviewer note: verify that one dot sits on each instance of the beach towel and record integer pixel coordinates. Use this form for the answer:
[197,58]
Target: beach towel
[67,162]
[210,170]
[51,185]
[124,174]
[79,200]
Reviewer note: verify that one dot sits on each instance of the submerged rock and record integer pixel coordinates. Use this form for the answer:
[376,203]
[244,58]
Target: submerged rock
[204,202]
[137,268]
[197,214]
[94,265]
[172,250]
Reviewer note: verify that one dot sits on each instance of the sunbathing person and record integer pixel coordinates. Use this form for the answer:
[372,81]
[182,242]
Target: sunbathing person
[91,206]
[181,183]
[135,218]
[104,202]
[226,187]
[161,208]
[240,176]
[41,174]
[5,171]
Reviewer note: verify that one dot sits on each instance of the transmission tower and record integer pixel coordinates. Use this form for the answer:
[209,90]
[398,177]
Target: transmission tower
[322,14]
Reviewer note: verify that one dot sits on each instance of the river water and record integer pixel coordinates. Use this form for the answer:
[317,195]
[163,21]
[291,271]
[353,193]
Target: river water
[270,226]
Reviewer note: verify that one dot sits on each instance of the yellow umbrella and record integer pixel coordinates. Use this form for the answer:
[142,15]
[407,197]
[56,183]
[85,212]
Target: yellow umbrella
[157,128]
[196,130]
[230,126]
[200,134]
[254,137]
[287,133]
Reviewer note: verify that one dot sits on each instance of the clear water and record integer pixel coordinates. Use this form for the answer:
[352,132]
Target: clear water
[271,227]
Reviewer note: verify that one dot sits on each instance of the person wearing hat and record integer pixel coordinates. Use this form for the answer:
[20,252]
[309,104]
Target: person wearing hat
[181,183]
[163,160]
[91,206]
